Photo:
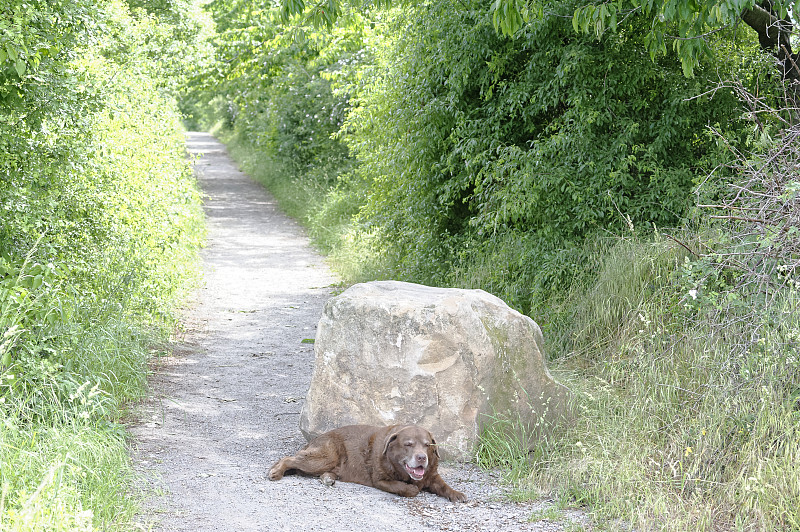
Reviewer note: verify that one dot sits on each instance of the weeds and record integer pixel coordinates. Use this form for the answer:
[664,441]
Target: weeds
[505,443]
[686,417]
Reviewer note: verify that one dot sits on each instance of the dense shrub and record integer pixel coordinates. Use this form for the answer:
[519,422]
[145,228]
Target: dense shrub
[471,140]
[99,225]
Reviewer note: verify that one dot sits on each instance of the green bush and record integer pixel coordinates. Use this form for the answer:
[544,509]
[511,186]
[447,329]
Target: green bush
[101,221]
[470,140]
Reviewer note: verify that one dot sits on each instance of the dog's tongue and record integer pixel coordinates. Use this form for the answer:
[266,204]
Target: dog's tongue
[416,472]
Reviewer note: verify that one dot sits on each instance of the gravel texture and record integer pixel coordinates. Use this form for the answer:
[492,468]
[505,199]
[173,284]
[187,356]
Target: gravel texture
[225,404]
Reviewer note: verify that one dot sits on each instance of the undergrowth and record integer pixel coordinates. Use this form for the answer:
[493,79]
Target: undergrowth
[686,413]
[98,243]
[682,351]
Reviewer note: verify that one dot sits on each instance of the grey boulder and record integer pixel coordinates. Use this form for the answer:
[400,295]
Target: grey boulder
[448,359]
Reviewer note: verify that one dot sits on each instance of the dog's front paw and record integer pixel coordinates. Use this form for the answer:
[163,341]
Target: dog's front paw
[456,496]
[408,490]
[404,489]
[329,479]
[276,472]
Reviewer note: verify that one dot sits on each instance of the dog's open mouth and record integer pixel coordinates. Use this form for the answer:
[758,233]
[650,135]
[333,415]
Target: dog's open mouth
[415,473]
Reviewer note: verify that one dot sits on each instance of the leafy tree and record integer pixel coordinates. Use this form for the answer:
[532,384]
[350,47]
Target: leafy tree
[272,87]
[466,137]
[473,140]
[688,24]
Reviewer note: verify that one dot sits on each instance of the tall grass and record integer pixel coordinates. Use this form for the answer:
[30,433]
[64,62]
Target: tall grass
[64,388]
[63,477]
[58,444]
[686,417]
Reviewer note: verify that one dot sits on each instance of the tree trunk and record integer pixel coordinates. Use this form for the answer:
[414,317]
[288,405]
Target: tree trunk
[774,36]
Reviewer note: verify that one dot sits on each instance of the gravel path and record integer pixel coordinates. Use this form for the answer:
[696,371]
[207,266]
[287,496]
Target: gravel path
[225,405]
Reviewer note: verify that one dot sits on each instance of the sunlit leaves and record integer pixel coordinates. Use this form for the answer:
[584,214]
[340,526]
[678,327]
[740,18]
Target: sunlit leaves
[508,16]
[272,85]
[62,88]
[324,13]
[685,25]
[596,18]
[289,8]
[36,30]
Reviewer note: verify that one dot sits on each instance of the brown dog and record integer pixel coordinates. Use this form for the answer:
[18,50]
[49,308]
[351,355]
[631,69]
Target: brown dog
[400,459]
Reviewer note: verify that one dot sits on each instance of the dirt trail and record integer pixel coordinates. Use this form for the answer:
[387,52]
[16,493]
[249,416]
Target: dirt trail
[225,405]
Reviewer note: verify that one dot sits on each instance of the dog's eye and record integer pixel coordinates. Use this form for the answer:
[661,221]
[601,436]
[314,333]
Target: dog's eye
[409,443]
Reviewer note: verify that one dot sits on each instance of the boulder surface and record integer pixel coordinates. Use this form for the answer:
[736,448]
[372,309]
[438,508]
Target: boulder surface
[448,359]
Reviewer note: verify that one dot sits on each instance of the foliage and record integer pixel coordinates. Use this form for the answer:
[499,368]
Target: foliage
[687,25]
[470,147]
[761,209]
[171,37]
[278,95]
[469,140]
[505,443]
[100,222]
[33,32]
[323,12]
[686,406]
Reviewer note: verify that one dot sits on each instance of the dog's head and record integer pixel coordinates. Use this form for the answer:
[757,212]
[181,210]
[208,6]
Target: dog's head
[412,450]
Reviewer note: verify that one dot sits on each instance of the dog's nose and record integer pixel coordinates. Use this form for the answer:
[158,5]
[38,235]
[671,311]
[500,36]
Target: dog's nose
[422,459]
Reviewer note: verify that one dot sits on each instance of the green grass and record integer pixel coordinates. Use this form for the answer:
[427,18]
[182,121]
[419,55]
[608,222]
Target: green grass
[504,444]
[63,477]
[64,390]
[551,513]
[685,417]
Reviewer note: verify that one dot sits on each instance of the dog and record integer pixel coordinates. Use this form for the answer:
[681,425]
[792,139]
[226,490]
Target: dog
[400,459]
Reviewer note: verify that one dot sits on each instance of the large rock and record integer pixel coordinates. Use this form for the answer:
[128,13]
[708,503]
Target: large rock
[447,359]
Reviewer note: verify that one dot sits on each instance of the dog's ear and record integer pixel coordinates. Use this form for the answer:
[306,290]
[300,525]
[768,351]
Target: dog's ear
[435,447]
[389,440]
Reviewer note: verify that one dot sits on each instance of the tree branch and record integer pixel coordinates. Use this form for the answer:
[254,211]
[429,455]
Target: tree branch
[774,35]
